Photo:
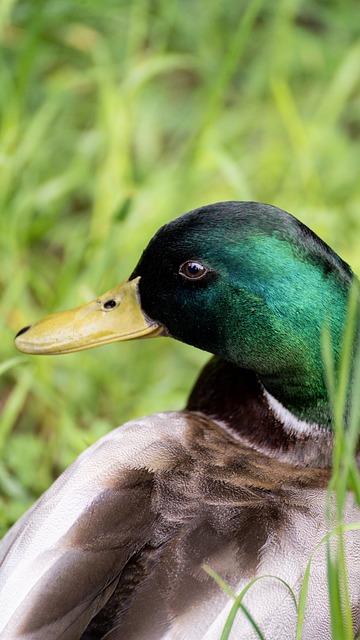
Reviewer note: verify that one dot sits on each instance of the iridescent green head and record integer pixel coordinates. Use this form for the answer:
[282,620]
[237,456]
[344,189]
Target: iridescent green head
[251,284]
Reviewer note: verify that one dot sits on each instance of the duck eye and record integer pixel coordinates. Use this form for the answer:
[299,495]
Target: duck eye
[193,270]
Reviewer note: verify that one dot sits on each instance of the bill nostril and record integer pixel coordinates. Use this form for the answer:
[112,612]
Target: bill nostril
[23,330]
[110,304]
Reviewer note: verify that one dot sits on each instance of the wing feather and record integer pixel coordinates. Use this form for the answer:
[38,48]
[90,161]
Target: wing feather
[62,561]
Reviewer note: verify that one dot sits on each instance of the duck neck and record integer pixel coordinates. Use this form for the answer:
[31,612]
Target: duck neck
[304,396]
[285,350]
[237,398]
[302,390]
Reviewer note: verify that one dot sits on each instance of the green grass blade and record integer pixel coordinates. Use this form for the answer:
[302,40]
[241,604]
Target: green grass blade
[12,362]
[239,598]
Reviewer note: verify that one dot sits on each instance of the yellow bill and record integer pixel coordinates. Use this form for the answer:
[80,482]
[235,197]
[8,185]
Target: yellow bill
[114,316]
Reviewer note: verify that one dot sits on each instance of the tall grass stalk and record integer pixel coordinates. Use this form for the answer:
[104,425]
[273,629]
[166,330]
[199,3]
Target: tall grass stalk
[344,397]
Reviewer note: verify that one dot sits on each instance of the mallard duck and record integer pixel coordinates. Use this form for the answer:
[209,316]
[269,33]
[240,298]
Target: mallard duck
[238,480]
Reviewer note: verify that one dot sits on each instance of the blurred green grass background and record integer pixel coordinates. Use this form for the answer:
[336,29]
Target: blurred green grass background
[116,117]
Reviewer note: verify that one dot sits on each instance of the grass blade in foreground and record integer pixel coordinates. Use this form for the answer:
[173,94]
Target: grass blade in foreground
[346,411]
[238,605]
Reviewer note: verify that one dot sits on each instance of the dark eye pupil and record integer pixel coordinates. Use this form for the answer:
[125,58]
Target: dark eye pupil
[193,268]
[109,304]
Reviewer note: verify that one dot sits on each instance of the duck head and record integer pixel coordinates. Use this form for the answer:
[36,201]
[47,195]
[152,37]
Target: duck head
[245,281]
